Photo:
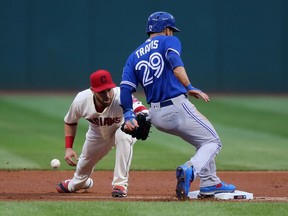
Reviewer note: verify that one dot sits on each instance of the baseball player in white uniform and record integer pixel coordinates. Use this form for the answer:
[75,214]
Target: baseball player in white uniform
[100,106]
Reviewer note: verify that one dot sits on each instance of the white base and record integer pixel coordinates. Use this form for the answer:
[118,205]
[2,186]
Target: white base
[225,196]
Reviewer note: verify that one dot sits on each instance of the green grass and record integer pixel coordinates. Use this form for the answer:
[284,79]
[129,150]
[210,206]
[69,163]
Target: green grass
[104,208]
[251,129]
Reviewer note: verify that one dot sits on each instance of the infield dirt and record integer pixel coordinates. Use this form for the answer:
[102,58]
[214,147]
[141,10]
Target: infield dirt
[143,185]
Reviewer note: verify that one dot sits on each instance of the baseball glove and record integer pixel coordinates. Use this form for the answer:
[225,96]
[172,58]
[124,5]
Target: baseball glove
[143,130]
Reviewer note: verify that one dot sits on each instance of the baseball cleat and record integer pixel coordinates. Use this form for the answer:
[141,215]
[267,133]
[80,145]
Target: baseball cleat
[62,187]
[222,187]
[185,176]
[88,184]
[119,191]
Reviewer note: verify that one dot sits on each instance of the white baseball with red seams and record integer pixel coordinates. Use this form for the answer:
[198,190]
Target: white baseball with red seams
[55,163]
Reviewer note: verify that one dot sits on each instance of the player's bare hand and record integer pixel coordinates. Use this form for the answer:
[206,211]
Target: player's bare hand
[199,94]
[130,125]
[71,156]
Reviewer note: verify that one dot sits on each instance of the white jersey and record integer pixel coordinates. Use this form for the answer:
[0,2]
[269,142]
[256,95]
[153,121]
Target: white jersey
[101,125]
[103,134]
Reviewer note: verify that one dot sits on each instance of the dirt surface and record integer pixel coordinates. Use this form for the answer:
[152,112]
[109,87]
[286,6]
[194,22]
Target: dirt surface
[143,185]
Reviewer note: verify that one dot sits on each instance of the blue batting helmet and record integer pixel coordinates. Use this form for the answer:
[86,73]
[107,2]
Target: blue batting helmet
[160,20]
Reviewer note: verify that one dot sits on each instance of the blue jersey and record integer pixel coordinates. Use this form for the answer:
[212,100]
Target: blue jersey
[149,66]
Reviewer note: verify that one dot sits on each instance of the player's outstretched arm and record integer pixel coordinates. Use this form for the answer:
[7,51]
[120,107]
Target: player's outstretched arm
[181,75]
[71,156]
[130,123]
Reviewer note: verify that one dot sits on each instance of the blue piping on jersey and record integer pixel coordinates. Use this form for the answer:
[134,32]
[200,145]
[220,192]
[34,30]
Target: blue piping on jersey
[170,49]
[200,122]
[210,159]
[210,130]
[129,83]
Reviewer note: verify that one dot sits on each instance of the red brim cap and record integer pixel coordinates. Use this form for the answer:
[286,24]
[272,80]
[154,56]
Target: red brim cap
[104,87]
[101,80]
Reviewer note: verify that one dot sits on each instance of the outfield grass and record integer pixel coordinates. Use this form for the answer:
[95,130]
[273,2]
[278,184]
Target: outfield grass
[251,129]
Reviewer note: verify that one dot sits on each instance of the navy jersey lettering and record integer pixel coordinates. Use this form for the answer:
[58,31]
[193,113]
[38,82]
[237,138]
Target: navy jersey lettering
[107,121]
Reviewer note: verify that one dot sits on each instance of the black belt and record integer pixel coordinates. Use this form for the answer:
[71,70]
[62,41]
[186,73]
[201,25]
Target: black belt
[166,103]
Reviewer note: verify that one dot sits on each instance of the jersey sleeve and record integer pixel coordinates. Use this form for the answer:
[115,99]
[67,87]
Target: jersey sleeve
[73,114]
[173,50]
[174,59]
[129,79]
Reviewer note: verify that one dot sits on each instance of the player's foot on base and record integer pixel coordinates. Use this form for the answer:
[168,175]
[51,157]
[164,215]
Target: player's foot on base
[185,176]
[119,191]
[222,187]
[62,187]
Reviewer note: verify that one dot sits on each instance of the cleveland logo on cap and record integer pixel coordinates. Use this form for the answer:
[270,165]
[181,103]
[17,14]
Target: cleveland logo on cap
[101,80]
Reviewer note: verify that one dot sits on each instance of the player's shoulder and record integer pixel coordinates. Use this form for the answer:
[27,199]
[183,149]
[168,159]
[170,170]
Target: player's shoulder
[172,39]
[117,93]
[116,90]
[83,95]
[172,42]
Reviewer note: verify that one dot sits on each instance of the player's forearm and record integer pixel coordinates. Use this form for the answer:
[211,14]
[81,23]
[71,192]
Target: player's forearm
[178,68]
[181,75]
[127,104]
[126,99]
[70,133]
[70,130]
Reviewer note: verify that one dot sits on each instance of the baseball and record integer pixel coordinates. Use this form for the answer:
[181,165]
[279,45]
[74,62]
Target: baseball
[55,163]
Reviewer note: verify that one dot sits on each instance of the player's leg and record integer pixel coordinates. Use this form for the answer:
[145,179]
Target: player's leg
[207,142]
[124,152]
[185,121]
[199,132]
[168,119]
[208,176]
[93,151]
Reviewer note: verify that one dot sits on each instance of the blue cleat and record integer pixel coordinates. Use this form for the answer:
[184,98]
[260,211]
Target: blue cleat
[219,188]
[185,176]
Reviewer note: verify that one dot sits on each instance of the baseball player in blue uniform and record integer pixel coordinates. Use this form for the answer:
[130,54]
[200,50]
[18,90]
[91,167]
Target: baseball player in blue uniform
[156,64]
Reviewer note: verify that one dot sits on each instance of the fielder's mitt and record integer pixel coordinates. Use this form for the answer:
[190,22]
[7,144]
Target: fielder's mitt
[143,130]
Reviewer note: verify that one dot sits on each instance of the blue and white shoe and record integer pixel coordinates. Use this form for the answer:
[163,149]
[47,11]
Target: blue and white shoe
[185,176]
[222,187]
